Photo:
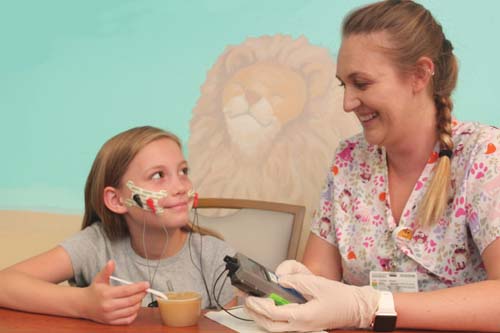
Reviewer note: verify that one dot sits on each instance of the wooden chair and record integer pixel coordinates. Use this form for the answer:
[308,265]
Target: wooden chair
[267,232]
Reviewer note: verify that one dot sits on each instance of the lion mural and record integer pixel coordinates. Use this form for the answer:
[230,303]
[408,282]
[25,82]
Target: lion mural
[267,123]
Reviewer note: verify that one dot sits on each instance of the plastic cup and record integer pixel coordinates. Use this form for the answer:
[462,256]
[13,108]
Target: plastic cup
[181,309]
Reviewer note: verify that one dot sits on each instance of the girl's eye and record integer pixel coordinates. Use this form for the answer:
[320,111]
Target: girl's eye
[158,175]
[185,171]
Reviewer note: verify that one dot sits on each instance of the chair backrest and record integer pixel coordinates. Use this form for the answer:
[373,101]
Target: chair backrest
[267,232]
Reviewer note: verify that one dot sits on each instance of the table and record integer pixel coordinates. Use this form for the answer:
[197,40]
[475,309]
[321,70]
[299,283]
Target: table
[148,321]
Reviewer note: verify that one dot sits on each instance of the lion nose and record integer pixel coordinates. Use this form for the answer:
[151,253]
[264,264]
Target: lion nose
[252,97]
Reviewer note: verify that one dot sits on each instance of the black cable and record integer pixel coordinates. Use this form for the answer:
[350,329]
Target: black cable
[214,279]
[220,290]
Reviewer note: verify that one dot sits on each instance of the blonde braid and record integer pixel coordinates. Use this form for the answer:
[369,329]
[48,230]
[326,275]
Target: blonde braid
[436,197]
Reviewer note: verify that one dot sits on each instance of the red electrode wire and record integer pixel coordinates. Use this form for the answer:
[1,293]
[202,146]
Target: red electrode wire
[195,200]
[151,205]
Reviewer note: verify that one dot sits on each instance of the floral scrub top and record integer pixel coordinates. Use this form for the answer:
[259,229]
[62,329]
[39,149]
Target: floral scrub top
[355,212]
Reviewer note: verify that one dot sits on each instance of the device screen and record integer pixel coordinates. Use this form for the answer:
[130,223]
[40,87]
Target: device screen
[260,270]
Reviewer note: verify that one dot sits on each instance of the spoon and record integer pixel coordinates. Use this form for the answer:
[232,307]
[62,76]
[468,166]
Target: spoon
[149,290]
[170,286]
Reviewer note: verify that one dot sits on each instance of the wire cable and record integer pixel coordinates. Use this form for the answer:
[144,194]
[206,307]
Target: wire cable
[200,267]
[151,279]
[220,290]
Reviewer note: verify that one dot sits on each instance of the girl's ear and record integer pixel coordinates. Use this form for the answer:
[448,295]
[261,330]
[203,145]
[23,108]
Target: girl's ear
[113,200]
[422,77]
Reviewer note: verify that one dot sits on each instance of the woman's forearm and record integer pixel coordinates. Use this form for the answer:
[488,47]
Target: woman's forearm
[459,308]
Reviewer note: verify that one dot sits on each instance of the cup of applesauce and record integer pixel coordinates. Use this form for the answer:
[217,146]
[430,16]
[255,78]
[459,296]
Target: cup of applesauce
[181,309]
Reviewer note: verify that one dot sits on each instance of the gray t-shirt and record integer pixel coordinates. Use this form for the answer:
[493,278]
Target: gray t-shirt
[90,250]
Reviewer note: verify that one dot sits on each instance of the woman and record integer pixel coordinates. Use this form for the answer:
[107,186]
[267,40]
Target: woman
[416,193]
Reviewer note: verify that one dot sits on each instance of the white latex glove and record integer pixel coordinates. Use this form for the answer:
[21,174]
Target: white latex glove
[331,305]
[291,267]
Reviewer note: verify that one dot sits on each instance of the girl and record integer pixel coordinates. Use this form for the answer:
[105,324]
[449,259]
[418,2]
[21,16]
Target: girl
[136,227]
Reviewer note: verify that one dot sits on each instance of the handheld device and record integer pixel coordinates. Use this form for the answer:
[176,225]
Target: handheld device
[256,280]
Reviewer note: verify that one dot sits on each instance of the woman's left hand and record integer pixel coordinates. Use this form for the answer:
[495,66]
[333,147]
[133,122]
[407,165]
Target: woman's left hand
[331,305]
[288,267]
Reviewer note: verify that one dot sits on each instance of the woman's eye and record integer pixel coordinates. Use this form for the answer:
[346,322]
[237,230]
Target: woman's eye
[361,85]
[185,171]
[157,175]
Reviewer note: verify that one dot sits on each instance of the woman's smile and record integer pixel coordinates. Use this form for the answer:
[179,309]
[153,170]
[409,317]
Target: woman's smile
[365,118]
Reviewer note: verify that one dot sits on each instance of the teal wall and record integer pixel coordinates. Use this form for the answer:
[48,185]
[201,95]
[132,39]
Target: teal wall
[74,73]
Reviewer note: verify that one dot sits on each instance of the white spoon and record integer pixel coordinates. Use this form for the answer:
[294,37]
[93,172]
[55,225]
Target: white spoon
[149,290]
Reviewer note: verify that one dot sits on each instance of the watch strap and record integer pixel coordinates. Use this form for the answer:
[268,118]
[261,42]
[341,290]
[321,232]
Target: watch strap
[386,304]
[385,316]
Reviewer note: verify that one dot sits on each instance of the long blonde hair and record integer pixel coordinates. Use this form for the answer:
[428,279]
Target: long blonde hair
[413,33]
[109,166]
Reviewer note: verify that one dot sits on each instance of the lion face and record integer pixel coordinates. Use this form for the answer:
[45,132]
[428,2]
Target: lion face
[258,100]
[267,123]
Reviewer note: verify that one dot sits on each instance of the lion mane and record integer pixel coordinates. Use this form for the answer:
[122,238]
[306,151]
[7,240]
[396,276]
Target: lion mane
[288,161]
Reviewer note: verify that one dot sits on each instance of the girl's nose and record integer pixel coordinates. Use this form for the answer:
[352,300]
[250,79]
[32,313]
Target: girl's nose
[179,186]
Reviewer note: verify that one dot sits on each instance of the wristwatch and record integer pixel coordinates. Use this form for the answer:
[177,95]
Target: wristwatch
[386,316]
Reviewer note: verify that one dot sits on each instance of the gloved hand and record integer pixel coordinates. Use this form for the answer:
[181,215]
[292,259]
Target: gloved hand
[291,267]
[331,305]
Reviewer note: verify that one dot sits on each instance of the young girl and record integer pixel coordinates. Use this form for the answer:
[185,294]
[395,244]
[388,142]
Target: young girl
[135,227]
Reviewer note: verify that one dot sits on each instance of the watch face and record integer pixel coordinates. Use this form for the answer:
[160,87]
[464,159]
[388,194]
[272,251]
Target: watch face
[384,323]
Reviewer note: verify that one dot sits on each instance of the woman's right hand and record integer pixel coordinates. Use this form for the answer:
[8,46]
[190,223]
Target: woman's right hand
[114,305]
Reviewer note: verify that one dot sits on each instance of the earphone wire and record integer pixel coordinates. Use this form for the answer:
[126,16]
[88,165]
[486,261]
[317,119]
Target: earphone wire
[144,247]
[199,268]
[151,279]
[163,251]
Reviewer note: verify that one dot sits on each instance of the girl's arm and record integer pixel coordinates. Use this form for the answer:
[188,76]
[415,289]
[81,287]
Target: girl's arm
[32,286]
[475,306]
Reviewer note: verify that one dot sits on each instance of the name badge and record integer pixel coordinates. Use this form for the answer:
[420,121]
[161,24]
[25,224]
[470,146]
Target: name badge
[402,282]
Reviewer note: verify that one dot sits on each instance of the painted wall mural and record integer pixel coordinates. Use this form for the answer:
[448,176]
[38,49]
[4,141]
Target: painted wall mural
[267,123]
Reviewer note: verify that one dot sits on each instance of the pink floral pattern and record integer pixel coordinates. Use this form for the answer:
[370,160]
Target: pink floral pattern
[356,203]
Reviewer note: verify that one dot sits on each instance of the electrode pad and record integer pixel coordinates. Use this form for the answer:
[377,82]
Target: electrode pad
[148,198]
